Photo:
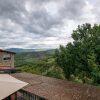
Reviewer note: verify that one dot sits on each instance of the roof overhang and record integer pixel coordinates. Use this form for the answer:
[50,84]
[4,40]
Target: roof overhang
[7,51]
[9,85]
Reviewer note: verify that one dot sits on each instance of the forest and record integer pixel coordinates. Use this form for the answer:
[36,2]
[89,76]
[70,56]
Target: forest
[78,61]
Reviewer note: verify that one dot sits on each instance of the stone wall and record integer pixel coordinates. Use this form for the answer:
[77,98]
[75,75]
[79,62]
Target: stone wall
[6,59]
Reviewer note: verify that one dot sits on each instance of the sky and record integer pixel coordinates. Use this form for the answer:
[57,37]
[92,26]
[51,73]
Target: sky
[43,24]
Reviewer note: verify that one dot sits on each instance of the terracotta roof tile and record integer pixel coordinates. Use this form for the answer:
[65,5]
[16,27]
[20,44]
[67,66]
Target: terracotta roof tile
[56,89]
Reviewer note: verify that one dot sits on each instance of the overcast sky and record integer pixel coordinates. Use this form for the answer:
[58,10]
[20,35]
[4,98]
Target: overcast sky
[43,23]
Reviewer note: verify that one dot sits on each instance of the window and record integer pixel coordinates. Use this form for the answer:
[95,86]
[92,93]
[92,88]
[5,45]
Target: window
[6,57]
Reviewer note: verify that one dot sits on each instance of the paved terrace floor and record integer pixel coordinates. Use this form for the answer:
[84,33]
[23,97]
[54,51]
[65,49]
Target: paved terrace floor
[56,89]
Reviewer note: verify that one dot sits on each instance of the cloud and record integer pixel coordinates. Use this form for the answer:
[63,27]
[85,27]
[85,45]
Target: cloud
[43,23]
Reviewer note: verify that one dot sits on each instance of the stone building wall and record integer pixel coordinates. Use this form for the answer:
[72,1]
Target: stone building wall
[6,59]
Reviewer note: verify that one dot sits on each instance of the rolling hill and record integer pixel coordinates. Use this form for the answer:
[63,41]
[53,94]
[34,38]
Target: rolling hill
[17,50]
[38,62]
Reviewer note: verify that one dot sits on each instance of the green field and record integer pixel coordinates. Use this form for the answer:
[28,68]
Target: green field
[40,62]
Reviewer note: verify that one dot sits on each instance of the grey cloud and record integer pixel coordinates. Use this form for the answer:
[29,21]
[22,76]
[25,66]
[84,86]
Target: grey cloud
[39,20]
[11,9]
[73,9]
[21,26]
[96,10]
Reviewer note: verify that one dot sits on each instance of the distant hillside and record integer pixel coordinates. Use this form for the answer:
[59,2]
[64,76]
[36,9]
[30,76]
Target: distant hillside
[22,50]
[22,57]
[38,62]
[17,50]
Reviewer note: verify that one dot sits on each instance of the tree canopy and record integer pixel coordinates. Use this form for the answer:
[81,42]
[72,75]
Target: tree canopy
[80,59]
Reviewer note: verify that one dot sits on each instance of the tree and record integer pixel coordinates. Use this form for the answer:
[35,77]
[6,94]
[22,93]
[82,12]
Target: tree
[80,59]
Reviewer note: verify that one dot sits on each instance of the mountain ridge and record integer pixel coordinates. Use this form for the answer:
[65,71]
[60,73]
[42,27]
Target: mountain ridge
[18,50]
